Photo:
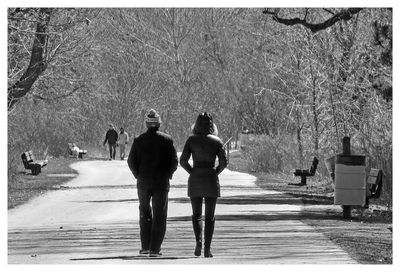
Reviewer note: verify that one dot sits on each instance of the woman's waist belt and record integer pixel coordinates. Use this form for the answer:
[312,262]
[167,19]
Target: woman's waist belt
[203,165]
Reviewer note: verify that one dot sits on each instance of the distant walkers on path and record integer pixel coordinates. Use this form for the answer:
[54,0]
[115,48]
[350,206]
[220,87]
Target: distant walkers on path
[152,160]
[204,147]
[112,139]
[122,142]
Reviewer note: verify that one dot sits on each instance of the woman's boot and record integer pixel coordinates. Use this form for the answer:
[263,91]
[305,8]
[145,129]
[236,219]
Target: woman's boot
[208,234]
[198,229]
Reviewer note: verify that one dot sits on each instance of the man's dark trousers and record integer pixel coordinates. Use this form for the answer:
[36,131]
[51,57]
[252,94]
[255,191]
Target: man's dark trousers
[112,148]
[153,219]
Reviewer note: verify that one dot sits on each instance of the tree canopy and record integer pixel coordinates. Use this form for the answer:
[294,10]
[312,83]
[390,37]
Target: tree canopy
[311,74]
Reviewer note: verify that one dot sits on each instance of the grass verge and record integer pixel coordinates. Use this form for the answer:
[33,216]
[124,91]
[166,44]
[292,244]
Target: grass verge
[367,237]
[24,186]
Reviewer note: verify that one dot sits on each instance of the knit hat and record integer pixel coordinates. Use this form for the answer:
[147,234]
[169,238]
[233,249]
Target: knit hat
[152,119]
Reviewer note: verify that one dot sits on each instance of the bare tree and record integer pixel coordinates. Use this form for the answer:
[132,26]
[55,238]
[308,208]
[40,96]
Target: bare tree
[52,40]
[37,62]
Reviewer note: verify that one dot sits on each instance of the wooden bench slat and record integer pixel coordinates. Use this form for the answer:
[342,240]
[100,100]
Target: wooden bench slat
[80,154]
[30,163]
[304,173]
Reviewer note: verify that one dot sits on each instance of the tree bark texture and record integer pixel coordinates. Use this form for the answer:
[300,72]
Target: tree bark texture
[37,62]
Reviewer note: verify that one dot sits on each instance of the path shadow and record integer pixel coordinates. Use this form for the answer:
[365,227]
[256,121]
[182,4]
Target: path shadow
[261,199]
[110,201]
[271,216]
[264,199]
[274,199]
[95,158]
[313,199]
[97,187]
[137,257]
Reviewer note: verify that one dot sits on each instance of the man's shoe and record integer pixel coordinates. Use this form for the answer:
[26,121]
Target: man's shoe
[144,251]
[155,254]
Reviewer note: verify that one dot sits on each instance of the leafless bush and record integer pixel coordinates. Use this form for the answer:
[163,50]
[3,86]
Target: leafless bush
[266,154]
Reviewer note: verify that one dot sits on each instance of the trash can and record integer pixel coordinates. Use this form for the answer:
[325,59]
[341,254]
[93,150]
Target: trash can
[350,180]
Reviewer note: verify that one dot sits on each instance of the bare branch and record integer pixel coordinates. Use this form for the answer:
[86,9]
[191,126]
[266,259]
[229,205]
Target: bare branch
[343,15]
[57,97]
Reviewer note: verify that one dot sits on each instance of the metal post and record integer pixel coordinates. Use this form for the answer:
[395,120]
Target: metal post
[227,144]
[346,146]
[228,148]
[346,151]
[303,180]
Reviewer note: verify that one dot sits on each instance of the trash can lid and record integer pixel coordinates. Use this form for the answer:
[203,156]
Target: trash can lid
[350,159]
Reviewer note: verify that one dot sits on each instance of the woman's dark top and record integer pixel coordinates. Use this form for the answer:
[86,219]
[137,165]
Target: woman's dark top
[203,179]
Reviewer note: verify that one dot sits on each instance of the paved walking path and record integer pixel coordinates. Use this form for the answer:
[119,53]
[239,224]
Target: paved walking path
[94,220]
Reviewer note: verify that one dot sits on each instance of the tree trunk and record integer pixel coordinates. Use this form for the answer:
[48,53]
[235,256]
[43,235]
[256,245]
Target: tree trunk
[315,115]
[37,63]
[300,145]
[299,139]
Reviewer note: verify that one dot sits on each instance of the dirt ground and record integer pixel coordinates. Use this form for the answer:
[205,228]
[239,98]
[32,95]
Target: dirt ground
[367,241]
[367,236]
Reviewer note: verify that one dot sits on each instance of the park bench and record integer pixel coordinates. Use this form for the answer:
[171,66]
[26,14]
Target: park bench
[29,161]
[72,152]
[304,173]
[374,184]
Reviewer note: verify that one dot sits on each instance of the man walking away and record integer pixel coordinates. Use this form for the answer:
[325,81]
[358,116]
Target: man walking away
[152,160]
[111,138]
[122,142]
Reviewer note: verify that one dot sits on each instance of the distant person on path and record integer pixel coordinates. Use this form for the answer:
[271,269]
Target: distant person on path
[204,146]
[112,139]
[152,160]
[122,142]
[75,150]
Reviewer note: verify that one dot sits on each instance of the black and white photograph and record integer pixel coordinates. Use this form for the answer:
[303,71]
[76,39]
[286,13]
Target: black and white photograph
[205,133]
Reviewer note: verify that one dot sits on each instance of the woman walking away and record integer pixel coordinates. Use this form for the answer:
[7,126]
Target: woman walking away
[122,142]
[204,146]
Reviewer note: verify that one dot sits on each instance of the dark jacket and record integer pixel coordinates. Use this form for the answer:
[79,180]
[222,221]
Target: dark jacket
[111,137]
[153,160]
[203,179]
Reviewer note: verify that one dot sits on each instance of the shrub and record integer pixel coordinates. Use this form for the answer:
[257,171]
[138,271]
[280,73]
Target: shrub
[266,154]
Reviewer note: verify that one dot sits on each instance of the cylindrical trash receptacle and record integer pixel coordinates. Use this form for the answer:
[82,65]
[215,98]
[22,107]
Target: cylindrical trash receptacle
[350,180]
